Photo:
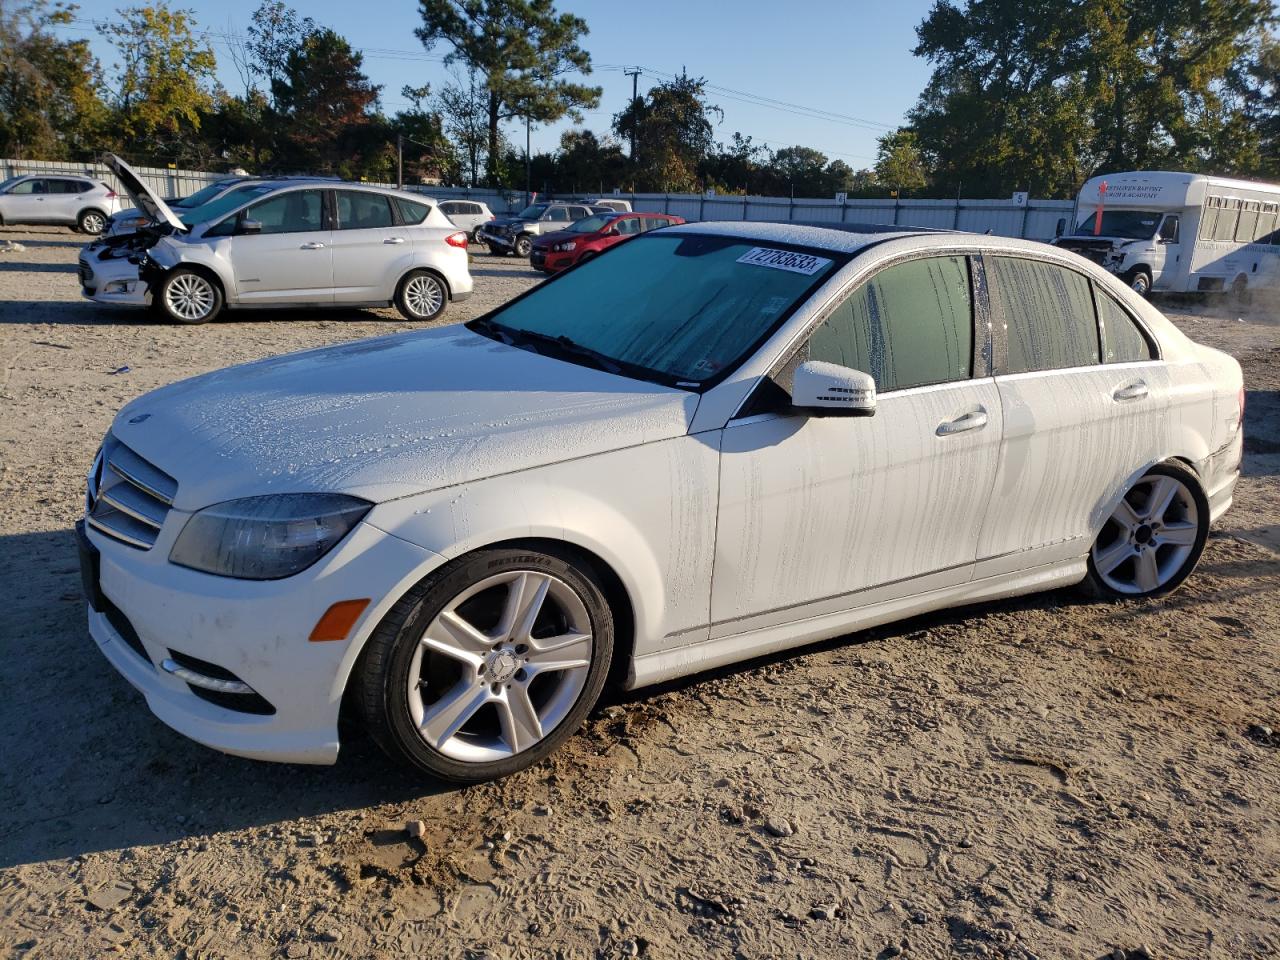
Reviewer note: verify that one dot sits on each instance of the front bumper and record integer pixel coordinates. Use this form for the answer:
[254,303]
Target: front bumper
[113,281]
[256,631]
[551,261]
[497,239]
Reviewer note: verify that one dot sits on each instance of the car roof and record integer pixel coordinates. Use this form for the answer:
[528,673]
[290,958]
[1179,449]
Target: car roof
[838,237]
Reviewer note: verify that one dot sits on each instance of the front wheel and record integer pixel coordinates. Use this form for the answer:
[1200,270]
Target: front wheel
[1140,282]
[421,296]
[489,664]
[189,297]
[497,251]
[1153,538]
[524,246]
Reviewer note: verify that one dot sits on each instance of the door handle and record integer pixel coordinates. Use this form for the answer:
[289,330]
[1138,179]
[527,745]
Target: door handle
[394,240]
[1131,391]
[315,245]
[973,420]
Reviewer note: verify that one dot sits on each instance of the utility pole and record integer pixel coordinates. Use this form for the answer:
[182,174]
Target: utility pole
[527,164]
[399,161]
[634,74]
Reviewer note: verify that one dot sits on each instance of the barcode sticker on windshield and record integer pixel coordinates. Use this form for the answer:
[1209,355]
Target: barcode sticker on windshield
[784,260]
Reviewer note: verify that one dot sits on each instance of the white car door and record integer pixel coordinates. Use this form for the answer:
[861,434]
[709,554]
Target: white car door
[366,245]
[1075,427]
[288,256]
[816,511]
[26,202]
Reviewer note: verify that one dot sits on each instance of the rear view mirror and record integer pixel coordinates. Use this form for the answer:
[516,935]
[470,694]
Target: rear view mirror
[250,226]
[828,389]
[1061,228]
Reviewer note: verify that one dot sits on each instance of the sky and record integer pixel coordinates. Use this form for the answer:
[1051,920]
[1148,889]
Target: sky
[837,75]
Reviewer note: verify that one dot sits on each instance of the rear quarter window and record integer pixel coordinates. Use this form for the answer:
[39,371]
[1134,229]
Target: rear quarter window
[1122,340]
[1047,311]
[413,213]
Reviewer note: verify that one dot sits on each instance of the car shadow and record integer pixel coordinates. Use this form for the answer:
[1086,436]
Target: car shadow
[23,237]
[30,266]
[84,759]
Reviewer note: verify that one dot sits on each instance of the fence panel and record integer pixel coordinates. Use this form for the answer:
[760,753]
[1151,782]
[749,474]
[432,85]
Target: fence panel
[1037,220]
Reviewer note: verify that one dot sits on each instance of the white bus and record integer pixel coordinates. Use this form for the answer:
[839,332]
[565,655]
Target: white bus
[1179,232]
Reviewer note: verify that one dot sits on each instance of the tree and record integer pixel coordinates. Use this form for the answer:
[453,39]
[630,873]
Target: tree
[586,163]
[324,99]
[521,50]
[49,103]
[164,80]
[1040,94]
[672,132]
[739,166]
[428,154]
[898,162]
[465,108]
[275,31]
[803,171]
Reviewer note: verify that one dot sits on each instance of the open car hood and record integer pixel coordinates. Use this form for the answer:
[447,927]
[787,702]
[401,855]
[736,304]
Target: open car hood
[142,198]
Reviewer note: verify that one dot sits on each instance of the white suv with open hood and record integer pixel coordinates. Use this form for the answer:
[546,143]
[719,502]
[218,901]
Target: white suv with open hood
[304,243]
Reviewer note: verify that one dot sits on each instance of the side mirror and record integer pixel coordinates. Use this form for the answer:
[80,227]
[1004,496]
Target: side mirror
[1061,228]
[249,226]
[828,389]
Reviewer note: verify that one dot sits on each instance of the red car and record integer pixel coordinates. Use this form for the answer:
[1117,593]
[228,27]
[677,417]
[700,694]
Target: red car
[592,235]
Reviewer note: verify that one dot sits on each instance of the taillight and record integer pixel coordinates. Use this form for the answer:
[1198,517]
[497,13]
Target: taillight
[111,194]
[1242,405]
[458,239]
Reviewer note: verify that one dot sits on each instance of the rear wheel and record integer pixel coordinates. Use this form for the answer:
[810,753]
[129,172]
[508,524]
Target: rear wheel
[489,664]
[189,297]
[421,296]
[1154,537]
[91,222]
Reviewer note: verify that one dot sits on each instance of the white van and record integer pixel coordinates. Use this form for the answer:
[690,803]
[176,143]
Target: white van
[1179,232]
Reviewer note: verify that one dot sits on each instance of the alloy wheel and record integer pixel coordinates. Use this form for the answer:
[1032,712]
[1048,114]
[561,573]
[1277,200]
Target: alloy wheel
[189,296]
[423,295]
[500,666]
[92,223]
[1149,538]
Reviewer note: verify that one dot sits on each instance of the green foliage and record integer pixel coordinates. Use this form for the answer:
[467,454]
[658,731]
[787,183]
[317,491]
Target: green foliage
[673,134]
[1040,94]
[899,164]
[521,51]
[163,80]
[49,105]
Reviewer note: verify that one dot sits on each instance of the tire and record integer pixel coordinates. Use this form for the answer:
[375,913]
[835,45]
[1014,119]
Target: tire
[1240,291]
[589,255]
[475,235]
[413,694]
[1139,281]
[421,296]
[497,251]
[92,222]
[188,296]
[1153,539]
[524,245]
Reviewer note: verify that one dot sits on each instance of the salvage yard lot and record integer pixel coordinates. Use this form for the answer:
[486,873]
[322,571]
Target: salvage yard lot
[1043,777]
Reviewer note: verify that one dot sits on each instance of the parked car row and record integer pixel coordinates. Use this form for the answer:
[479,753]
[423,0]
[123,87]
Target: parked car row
[272,243]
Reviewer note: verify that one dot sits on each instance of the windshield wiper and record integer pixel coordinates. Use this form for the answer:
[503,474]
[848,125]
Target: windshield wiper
[566,347]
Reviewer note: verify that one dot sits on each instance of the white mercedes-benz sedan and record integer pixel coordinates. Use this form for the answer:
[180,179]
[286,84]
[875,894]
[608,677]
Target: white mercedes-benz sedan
[714,442]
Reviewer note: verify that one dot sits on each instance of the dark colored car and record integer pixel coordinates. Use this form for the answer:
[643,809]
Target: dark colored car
[591,236]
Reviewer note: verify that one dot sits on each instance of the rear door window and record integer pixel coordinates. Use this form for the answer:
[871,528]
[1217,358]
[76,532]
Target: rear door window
[362,211]
[1122,340]
[908,326]
[558,214]
[1047,311]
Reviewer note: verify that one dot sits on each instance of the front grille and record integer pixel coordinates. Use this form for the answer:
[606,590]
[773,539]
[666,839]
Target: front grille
[128,498]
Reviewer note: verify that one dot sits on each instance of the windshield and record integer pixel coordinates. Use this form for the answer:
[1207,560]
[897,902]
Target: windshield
[201,197]
[226,203]
[9,183]
[532,212]
[590,224]
[1130,224]
[679,309]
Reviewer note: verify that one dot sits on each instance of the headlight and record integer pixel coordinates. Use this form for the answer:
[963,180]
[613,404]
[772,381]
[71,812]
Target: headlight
[567,246]
[266,538]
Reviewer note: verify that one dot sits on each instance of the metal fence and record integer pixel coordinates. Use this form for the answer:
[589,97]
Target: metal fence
[1035,220]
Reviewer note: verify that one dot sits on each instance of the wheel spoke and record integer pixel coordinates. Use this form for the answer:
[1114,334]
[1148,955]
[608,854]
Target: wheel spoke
[1110,558]
[525,597]
[1146,570]
[1162,493]
[1179,534]
[445,717]
[521,727]
[454,637]
[1126,516]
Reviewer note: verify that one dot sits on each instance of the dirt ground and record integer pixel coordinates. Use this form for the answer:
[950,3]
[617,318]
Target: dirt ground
[1043,777]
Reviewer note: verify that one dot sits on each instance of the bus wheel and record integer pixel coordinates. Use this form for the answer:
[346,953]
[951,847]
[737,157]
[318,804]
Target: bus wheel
[1240,290]
[1139,281]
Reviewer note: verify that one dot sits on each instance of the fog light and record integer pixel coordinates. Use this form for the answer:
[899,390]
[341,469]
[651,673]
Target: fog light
[120,286]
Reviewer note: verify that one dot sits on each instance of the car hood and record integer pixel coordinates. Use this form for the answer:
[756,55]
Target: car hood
[507,221]
[548,239]
[142,197]
[390,417]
